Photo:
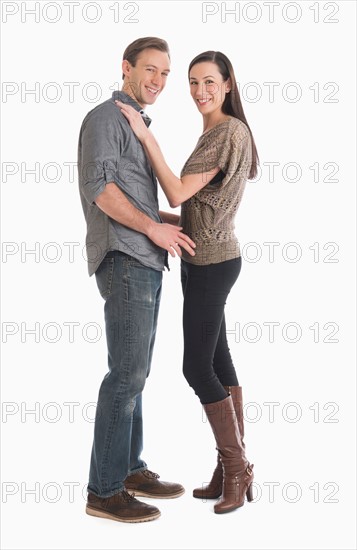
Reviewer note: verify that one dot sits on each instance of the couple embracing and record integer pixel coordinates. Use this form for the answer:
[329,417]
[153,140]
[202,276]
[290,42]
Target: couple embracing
[119,164]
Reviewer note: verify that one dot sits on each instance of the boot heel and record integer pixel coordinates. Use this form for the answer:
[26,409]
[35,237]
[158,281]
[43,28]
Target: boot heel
[249,493]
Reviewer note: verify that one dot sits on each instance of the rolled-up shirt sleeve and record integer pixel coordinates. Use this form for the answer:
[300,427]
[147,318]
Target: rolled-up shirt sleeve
[99,152]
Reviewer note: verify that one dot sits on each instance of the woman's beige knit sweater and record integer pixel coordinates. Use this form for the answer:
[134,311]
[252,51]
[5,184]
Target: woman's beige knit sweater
[208,216]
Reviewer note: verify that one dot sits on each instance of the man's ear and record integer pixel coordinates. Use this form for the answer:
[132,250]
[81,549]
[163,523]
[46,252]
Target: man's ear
[126,66]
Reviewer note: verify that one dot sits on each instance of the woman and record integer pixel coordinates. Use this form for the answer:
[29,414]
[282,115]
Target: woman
[210,190]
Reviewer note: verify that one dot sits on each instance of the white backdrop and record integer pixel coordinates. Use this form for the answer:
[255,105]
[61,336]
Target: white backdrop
[290,317]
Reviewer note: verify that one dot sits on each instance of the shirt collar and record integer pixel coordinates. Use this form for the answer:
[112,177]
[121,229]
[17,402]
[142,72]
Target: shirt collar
[125,98]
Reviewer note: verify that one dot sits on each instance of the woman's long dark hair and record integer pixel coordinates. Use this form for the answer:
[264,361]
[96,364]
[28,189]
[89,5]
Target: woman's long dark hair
[232,104]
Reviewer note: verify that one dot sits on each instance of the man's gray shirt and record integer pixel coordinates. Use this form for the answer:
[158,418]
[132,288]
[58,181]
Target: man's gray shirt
[108,151]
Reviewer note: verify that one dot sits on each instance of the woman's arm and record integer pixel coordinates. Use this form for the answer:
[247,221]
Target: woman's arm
[176,190]
[169,217]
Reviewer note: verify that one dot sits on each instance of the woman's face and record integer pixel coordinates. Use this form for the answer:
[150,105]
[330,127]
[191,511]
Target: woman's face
[207,87]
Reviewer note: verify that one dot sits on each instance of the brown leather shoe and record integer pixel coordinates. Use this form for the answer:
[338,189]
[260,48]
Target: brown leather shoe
[146,484]
[121,507]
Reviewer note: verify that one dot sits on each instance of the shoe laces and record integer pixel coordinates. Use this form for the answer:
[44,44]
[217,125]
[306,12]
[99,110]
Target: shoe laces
[150,474]
[128,497]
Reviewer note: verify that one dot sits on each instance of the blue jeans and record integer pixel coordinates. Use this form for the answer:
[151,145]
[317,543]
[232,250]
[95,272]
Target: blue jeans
[132,297]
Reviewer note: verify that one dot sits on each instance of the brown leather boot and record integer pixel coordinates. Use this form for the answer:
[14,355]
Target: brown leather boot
[237,398]
[121,507]
[214,488]
[237,472]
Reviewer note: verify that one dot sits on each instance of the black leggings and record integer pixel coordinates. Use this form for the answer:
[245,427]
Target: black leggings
[207,362]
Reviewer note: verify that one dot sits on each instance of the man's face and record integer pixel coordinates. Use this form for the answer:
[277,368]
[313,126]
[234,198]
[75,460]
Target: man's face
[147,79]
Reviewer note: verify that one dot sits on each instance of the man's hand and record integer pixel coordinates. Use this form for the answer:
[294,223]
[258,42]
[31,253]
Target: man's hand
[114,204]
[171,238]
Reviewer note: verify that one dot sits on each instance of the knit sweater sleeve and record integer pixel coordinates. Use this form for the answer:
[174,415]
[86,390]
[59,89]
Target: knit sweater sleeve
[227,146]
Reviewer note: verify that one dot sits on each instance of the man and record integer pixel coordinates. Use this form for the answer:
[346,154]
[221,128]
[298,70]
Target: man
[127,244]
